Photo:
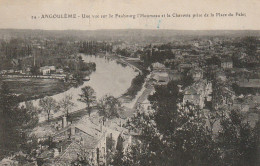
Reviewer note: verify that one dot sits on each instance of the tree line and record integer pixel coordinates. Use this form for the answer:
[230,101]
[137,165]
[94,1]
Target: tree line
[108,106]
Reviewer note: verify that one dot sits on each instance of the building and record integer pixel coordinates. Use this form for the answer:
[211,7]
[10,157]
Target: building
[52,68]
[247,103]
[145,104]
[161,78]
[83,139]
[3,71]
[193,96]
[197,93]
[183,66]
[45,70]
[174,75]
[158,66]
[226,63]
[60,71]
[196,74]
[249,83]
[88,139]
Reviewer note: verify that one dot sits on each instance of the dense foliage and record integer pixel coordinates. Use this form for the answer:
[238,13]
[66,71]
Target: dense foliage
[156,54]
[136,84]
[109,107]
[93,47]
[15,121]
[179,135]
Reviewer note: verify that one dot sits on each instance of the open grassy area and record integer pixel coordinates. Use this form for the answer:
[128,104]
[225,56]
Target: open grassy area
[32,88]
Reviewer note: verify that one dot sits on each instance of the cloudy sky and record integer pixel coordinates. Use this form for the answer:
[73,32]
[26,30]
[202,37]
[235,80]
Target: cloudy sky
[18,14]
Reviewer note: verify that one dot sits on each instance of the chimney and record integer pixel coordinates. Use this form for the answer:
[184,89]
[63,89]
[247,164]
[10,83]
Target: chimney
[64,121]
[72,130]
[130,140]
[104,119]
[101,126]
[81,141]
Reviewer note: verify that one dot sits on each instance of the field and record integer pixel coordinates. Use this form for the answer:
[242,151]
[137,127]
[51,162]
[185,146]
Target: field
[32,88]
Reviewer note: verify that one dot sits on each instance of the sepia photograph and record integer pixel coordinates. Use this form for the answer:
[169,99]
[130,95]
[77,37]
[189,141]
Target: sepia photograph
[129,83]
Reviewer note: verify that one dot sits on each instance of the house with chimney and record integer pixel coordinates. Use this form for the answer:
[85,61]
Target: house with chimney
[87,139]
[84,139]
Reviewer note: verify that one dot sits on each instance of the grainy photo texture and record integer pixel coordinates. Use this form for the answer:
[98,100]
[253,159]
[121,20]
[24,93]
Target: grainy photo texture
[129,83]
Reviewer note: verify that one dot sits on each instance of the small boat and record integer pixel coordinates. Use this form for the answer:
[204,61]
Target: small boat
[86,78]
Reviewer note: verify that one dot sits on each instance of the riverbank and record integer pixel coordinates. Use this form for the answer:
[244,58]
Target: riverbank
[118,79]
[136,86]
[137,82]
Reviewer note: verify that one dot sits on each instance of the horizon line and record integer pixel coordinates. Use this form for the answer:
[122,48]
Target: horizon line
[131,29]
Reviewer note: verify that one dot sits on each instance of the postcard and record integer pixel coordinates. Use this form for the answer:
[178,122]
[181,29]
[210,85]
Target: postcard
[129,82]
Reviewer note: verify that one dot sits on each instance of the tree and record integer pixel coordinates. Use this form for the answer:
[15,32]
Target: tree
[214,60]
[66,104]
[186,80]
[238,140]
[7,106]
[101,106]
[209,74]
[182,141]
[33,118]
[250,44]
[35,70]
[118,157]
[88,97]
[82,158]
[48,104]
[14,122]
[109,107]
[172,134]
[177,134]
[165,100]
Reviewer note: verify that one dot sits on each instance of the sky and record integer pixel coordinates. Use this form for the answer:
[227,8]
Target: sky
[18,14]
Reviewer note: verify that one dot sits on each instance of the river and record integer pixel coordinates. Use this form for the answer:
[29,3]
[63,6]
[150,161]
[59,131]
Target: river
[109,78]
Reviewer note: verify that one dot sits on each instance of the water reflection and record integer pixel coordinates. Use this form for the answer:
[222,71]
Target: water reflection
[110,77]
